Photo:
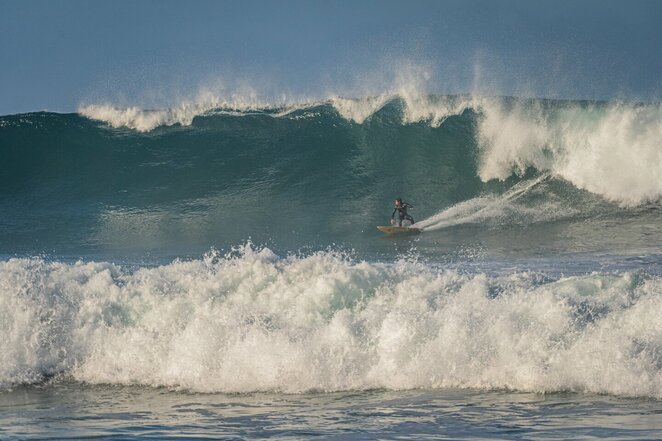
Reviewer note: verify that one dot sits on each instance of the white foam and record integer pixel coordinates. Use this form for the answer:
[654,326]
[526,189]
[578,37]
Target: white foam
[612,150]
[256,322]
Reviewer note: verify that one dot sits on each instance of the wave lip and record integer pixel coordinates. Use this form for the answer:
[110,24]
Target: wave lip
[146,120]
[252,321]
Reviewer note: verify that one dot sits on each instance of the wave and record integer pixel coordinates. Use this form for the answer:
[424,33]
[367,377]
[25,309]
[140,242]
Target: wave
[252,321]
[610,149]
[238,162]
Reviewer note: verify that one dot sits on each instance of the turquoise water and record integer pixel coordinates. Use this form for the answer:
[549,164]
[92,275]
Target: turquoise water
[217,271]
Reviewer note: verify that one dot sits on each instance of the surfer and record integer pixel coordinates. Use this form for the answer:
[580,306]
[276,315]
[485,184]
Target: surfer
[401,209]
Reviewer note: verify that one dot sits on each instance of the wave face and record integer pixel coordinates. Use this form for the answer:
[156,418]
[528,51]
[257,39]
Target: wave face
[216,173]
[252,321]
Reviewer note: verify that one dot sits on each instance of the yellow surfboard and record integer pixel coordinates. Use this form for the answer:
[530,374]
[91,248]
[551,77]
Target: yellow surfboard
[398,230]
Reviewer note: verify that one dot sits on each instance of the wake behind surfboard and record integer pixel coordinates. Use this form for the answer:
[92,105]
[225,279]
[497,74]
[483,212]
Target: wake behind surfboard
[398,230]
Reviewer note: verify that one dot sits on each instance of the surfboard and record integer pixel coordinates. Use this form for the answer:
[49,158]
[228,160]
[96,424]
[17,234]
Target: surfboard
[398,230]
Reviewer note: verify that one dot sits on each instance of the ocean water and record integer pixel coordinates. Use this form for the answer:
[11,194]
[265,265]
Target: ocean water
[214,270]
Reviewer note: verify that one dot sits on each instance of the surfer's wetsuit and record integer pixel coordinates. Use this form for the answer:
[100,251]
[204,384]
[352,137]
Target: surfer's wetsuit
[402,213]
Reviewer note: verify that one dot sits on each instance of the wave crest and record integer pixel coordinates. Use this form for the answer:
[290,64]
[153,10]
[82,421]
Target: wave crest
[145,120]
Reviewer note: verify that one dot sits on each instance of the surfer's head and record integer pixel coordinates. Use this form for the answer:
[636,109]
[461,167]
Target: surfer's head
[398,202]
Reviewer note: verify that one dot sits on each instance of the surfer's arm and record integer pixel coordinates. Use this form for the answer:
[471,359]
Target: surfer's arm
[393,214]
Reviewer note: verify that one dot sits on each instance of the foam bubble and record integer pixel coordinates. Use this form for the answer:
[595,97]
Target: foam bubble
[256,322]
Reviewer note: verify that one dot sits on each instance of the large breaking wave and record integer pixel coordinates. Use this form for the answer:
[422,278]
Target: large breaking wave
[611,149]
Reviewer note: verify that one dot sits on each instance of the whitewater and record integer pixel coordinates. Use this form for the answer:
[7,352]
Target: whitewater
[254,321]
[224,250]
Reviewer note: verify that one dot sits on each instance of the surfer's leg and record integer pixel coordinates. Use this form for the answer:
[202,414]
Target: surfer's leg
[410,219]
[400,219]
